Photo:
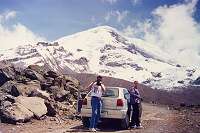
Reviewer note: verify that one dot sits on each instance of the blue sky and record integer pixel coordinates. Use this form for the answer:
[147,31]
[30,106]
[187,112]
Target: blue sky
[172,25]
[53,19]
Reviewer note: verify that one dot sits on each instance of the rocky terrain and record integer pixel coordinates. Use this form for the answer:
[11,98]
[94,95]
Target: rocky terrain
[34,93]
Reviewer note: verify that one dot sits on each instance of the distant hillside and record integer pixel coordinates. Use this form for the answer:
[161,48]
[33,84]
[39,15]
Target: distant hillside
[189,95]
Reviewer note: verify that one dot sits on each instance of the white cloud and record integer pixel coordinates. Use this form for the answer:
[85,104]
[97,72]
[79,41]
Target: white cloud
[129,31]
[135,2]
[175,30]
[110,1]
[119,16]
[17,34]
[10,14]
[7,15]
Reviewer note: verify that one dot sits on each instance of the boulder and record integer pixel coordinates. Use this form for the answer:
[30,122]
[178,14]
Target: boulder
[15,89]
[53,89]
[40,93]
[30,74]
[22,79]
[51,107]
[16,113]
[58,82]
[34,104]
[156,74]
[62,95]
[52,74]
[10,88]
[71,80]
[6,97]
[7,72]
[33,75]
[2,96]
[197,81]
[72,89]
[47,83]
[38,69]
[180,82]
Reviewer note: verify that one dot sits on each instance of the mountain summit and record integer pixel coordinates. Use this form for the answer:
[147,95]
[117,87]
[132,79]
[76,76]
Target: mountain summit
[104,50]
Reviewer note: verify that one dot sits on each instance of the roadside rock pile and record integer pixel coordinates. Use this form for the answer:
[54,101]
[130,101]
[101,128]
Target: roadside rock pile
[35,92]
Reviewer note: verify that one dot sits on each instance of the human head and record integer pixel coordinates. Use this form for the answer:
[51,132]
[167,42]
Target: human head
[135,84]
[99,78]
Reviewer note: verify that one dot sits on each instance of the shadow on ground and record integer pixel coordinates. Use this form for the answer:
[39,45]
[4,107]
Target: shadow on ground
[107,126]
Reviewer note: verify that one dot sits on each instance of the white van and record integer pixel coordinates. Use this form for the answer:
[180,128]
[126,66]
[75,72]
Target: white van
[114,106]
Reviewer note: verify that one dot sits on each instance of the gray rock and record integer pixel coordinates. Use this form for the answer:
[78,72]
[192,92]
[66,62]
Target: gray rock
[16,113]
[15,89]
[181,82]
[67,79]
[52,74]
[34,104]
[33,75]
[10,88]
[38,69]
[197,81]
[7,72]
[53,89]
[62,95]
[156,74]
[51,108]
[6,104]
[40,93]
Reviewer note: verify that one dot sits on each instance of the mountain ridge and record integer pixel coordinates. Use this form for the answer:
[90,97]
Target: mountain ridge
[104,50]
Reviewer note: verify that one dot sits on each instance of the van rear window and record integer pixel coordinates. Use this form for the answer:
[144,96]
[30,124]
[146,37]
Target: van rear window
[111,92]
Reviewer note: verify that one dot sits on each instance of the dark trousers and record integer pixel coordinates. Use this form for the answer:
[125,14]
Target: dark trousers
[135,119]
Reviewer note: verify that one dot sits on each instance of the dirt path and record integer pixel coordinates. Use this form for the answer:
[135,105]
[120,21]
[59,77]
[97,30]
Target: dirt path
[155,119]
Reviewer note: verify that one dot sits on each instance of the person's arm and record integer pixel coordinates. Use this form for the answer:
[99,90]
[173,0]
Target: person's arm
[90,86]
[129,90]
[103,88]
[137,94]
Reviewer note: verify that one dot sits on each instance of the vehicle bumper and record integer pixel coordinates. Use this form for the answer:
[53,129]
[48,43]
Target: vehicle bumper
[111,114]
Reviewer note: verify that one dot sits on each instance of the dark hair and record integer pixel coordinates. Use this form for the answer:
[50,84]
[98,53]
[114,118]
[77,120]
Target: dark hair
[99,77]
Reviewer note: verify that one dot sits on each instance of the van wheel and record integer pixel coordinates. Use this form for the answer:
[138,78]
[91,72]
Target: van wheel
[86,121]
[125,122]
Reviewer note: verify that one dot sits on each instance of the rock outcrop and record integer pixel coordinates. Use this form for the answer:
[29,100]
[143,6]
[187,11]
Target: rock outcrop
[34,104]
[34,92]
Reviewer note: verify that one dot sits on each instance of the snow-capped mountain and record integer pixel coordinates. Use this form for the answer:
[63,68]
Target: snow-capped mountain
[41,54]
[104,50]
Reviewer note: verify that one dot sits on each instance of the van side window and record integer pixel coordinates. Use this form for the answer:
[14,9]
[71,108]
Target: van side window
[126,94]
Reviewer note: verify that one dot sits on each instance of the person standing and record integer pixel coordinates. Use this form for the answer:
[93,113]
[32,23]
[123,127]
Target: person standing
[135,104]
[97,88]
